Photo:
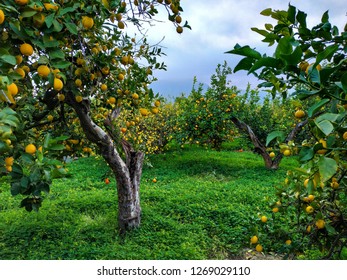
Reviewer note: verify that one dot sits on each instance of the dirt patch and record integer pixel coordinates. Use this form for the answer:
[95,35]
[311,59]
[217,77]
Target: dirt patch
[251,254]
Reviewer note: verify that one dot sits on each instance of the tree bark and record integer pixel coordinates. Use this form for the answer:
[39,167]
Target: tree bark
[260,148]
[127,174]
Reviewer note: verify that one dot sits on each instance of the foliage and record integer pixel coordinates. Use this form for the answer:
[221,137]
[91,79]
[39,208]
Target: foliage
[198,209]
[58,57]
[312,62]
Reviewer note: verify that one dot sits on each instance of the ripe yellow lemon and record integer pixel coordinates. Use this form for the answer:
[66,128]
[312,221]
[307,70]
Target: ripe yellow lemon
[155,110]
[30,149]
[26,49]
[288,242]
[2,16]
[9,161]
[320,224]
[287,152]
[135,96]
[345,136]
[21,72]
[263,219]
[275,209]
[19,59]
[22,2]
[157,103]
[58,84]
[299,114]
[254,239]
[78,82]
[309,209]
[154,180]
[50,118]
[111,100]
[259,248]
[87,22]
[144,112]
[43,71]
[272,155]
[120,77]
[103,87]
[12,89]
[79,98]
[123,129]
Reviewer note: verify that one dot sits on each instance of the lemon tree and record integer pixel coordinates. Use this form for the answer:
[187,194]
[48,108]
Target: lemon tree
[60,63]
[309,62]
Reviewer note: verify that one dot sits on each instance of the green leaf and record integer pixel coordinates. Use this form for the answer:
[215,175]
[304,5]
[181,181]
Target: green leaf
[344,82]
[306,154]
[8,59]
[56,147]
[265,62]
[244,64]
[291,13]
[301,18]
[326,54]
[325,126]
[43,60]
[28,13]
[245,51]
[325,17]
[71,27]
[49,20]
[267,12]
[15,188]
[329,117]
[284,46]
[61,64]
[293,58]
[57,54]
[260,31]
[280,135]
[46,141]
[327,168]
[57,26]
[316,107]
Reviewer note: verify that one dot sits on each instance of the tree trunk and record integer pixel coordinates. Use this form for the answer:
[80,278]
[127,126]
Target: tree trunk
[260,148]
[127,174]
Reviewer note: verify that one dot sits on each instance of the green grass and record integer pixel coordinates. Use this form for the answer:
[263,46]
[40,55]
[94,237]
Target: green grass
[200,208]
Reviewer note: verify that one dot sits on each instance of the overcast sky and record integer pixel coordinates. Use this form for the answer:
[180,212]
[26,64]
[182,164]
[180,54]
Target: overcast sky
[216,27]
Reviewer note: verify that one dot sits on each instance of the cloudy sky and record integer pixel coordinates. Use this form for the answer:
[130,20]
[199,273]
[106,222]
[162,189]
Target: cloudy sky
[216,27]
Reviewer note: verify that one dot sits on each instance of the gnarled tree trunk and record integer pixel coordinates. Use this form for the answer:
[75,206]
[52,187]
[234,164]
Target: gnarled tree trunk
[127,173]
[260,148]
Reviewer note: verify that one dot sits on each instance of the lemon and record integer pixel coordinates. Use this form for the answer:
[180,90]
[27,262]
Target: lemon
[179,29]
[22,2]
[299,114]
[2,16]
[121,25]
[345,136]
[259,248]
[79,98]
[87,22]
[254,239]
[320,224]
[50,118]
[157,103]
[263,219]
[272,155]
[58,84]
[287,152]
[21,72]
[43,71]
[26,49]
[103,87]
[309,209]
[30,149]
[112,100]
[9,161]
[78,82]
[12,89]
[61,97]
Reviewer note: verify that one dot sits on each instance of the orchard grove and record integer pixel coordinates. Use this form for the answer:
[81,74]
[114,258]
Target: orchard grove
[73,83]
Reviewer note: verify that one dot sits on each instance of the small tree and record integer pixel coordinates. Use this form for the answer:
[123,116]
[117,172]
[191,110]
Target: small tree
[311,63]
[65,59]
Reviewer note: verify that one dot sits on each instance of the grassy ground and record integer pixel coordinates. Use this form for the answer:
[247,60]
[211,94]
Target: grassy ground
[199,208]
